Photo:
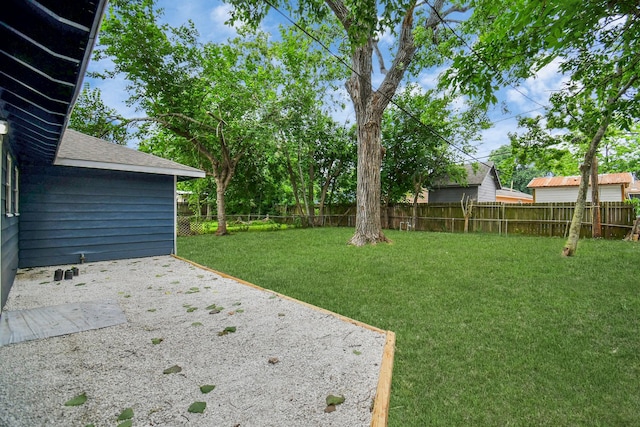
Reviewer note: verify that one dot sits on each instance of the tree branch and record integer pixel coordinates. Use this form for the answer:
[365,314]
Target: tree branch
[404,55]
[341,12]
[215,163]
[454,9]
[376,49]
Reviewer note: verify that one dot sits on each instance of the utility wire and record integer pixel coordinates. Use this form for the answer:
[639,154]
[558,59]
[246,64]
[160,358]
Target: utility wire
[480,58]
[346,64]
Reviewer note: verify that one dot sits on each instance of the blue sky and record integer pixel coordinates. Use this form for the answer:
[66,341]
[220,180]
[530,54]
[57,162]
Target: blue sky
[210,16]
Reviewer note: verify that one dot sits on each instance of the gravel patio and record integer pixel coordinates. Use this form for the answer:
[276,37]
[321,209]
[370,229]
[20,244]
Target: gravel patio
[273,361]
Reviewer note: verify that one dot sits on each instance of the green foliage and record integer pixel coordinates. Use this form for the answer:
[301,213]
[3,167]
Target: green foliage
[227,330]
[209,104]
[512,171]
[238,225]
[594,45]
[636,204]
[207,388]
[77,401]
[420,42]
[197,407]
[172,370]
[334,400]
[516,335]
[126,414]
[620,152]
[92,117]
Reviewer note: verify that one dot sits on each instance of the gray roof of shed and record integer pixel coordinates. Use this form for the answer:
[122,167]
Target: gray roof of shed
[476,173]
[513,193]
[84,151]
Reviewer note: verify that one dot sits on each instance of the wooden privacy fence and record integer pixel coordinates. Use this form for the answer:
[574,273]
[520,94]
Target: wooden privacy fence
[538,219]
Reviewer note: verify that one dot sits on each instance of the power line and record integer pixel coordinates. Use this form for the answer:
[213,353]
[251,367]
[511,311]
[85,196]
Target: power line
[477,55]
[517,115]
[390,100]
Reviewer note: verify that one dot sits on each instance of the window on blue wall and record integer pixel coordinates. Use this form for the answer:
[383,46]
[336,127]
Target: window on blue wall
[16,190]
[7,186]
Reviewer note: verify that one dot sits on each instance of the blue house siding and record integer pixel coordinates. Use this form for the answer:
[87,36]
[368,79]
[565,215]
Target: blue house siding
[9,233]
[103,214]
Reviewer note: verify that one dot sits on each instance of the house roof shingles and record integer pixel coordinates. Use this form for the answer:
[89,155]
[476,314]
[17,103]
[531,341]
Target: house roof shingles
[476,173]
[80,150]
[572,181]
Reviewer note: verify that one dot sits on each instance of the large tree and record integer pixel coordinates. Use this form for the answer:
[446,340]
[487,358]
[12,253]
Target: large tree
[214,98]
[418,30]
[596,43]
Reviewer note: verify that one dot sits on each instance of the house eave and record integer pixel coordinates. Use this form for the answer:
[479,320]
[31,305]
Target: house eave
[129,168]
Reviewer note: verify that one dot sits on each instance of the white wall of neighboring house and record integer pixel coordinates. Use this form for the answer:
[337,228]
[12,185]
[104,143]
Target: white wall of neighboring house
[487,191]
[607,193]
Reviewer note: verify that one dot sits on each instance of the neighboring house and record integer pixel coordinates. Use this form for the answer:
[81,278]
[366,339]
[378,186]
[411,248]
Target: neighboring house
[611,188]
[481,186]
[65,197]
[509,195]
[633,192]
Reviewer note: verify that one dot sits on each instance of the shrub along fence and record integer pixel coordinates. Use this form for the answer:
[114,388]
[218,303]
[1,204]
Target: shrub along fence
[538,219]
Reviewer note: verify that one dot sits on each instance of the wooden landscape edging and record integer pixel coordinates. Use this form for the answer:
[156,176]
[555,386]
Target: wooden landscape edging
[382,398]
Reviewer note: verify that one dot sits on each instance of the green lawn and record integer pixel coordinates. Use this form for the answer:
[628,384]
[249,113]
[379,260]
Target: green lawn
[491,330]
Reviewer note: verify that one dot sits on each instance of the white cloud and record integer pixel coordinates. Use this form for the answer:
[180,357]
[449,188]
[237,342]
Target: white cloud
[386,39]
[429,78]
[493,138]
[346,115]
[217,17]
[536,90]
[209,17]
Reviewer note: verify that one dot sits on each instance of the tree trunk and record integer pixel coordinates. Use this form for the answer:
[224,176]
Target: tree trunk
[222,215]
[310,194]
[571,245]
[331,176]
[414,213]
[303,188]
[574,232]
[294,186]
[368,225]
[417,192]
[596,225]
[369,118]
